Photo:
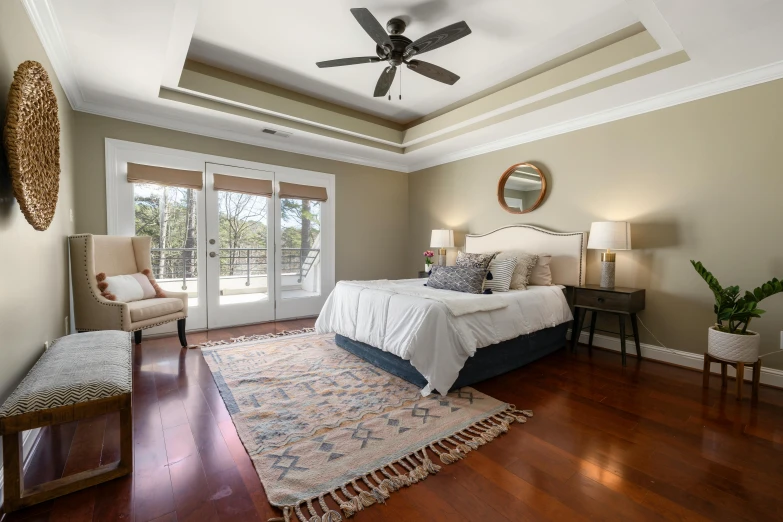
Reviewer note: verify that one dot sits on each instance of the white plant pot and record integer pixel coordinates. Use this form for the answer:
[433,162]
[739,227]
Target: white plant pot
[733,347]
[427,268]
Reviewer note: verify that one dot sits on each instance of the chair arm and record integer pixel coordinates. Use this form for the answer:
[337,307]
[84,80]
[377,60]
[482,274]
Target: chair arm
[180,295]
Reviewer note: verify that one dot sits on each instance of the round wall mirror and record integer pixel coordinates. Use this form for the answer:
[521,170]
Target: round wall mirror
[521,188]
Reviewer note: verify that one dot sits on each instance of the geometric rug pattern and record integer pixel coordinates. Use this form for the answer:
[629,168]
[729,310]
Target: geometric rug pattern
[317,420]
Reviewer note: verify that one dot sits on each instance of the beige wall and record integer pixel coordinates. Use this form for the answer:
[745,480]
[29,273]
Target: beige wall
[34,266]
[372,204]
[697,181]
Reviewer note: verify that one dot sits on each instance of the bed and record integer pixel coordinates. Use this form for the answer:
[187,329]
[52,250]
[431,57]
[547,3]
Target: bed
[442,340]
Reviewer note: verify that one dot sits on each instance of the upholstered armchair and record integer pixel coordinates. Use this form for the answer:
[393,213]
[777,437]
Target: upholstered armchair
[118,255]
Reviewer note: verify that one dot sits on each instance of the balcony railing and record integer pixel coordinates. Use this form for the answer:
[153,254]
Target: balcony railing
[182,263]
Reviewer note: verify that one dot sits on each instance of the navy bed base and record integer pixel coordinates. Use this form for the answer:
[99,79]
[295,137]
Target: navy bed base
[488,362]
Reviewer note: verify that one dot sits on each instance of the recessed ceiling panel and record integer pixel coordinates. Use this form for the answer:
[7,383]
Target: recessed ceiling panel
[280,42]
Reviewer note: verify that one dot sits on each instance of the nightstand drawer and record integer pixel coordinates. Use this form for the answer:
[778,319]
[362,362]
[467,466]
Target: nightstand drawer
[603,300]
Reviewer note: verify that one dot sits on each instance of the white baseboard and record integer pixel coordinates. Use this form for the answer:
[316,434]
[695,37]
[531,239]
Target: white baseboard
[769,376]
[29,443]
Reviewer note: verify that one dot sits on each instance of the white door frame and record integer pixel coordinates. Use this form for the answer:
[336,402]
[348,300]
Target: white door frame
[263,310]
[119,201]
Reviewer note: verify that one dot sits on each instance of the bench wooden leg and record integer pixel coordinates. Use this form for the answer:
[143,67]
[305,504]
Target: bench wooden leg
[126,439]
[13,481]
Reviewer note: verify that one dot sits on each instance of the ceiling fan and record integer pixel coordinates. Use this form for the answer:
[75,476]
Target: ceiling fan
[397,49]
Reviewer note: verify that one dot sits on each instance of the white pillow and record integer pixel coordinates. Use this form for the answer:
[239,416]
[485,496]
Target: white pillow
[523,269]
[502,271]
[542,272]
[129,288]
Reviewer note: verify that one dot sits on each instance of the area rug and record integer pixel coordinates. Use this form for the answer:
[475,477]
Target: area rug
[317,421]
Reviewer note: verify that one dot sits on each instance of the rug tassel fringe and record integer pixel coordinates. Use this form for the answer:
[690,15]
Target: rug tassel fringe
[417,468]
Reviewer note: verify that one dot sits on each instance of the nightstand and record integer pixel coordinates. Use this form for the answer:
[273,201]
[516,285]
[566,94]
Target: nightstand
[618,300]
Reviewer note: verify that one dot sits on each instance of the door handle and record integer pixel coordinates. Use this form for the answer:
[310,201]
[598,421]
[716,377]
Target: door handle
[212,254]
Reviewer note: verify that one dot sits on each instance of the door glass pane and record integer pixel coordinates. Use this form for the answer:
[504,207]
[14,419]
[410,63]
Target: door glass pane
[168,215]
[243,247]
[301,248]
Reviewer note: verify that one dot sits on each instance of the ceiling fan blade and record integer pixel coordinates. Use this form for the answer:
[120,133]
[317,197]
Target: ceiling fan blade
[385,81]
[348,61]
[450,33]
[433,71]
[371,25]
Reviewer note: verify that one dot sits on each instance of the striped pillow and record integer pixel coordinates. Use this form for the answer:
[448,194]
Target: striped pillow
[502,271]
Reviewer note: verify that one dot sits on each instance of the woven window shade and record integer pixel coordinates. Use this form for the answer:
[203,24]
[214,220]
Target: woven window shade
[191,179]
[256,187]
[309,192]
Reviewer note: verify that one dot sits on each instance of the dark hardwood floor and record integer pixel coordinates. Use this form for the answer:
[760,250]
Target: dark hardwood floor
[640,443]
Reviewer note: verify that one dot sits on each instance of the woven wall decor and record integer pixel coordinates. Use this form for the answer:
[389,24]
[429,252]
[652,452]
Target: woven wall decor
[32,143]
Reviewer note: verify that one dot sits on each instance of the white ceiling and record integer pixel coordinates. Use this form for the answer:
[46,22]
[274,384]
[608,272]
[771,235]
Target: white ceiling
[280,42]
[112,56]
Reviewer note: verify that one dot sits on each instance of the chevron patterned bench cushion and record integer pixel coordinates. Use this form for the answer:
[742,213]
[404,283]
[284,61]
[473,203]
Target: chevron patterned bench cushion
[76,368]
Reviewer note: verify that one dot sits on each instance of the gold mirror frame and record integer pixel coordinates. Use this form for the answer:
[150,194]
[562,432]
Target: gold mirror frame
[502,186]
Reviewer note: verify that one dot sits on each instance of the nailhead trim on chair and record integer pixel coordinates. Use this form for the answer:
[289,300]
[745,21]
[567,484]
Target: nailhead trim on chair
[89,283]
[109,303]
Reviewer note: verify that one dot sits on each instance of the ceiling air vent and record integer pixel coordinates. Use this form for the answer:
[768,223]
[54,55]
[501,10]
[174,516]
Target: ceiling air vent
[279,134]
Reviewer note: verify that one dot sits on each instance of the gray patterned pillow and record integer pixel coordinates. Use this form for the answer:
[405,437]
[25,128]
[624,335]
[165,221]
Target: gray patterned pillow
[457,278]
[474,260]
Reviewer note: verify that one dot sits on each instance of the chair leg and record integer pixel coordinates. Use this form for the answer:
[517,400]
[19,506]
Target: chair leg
[137,336]
[181,333]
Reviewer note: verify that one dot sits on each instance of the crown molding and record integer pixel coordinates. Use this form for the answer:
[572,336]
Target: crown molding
[722,85]
[45,23]
[46,27]
[238,137]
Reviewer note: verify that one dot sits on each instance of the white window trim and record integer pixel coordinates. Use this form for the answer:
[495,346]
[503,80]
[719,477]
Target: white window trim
[119,152]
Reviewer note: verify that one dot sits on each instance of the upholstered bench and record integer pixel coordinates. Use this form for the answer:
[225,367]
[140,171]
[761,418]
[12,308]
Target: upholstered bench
[78,377]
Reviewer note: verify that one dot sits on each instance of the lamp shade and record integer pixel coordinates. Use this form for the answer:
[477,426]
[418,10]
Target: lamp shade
[611,235]
[442,239]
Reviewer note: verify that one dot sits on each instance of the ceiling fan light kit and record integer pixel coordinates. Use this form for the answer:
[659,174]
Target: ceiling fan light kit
[396,50]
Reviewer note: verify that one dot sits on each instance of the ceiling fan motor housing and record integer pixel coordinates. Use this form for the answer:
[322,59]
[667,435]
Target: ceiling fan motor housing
[399,43]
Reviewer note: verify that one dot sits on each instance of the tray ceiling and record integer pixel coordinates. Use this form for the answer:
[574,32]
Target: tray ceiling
[531,69]
[279,43]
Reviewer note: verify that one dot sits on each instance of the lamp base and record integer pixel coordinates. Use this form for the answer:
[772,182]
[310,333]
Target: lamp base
[607,274]
[442,257]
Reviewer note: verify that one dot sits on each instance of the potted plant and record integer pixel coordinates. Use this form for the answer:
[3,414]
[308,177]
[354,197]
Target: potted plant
[729,338]
[428,255]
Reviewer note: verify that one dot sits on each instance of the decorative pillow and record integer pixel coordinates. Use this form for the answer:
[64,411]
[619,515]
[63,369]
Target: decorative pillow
[129,288]
[542,273]
[458,279]
[474,260]
[502,271]
[525,264]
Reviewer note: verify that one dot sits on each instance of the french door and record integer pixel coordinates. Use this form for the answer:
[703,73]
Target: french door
[240,245]
[253,243]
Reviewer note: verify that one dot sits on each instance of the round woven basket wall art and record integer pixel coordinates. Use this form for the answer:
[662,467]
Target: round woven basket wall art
[32,143]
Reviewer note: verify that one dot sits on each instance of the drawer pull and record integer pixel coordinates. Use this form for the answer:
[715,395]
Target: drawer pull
[600,299]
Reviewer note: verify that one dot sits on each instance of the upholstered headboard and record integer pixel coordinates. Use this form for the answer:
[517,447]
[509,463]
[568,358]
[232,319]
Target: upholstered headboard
[568,249]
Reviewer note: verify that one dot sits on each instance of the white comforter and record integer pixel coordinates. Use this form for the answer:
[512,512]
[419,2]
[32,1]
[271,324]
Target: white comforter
[419,327]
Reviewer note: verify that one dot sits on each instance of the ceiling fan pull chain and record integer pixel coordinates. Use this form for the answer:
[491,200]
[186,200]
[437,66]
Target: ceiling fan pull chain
[401,69]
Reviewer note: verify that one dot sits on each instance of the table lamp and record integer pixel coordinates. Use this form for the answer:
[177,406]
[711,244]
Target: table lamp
[609,235]
[442,239]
